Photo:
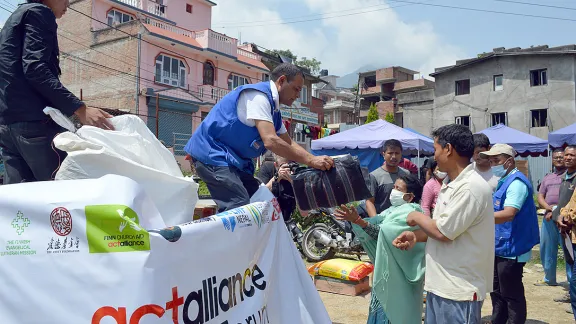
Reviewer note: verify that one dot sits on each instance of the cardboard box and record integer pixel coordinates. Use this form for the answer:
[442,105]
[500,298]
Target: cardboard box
[341,287]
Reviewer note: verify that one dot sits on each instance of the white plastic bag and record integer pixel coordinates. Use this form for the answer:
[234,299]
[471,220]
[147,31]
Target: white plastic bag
[131,150]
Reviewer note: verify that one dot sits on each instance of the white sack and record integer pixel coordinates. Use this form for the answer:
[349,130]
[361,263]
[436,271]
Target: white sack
[132,151]
[68,257]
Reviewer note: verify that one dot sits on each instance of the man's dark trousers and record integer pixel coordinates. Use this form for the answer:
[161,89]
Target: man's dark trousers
[28,152]
[508,299]
[229,187]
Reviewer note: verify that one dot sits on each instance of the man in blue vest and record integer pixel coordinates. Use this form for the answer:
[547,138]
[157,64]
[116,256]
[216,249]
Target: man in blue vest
[516,234]
[241,127]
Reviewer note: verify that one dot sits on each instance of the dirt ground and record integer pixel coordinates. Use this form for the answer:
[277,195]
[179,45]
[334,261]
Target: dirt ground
[541,306]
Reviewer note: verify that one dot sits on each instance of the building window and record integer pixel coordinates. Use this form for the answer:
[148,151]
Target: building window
[234,81]
[188,8]
[538,77]
[208,74]
[463,120]
[539,118]
[498,82]
[299,138]
[499,118]
[265,77]
[462,87]
[170,71]
[303,95]
[369,82]
[116,17]
[328,118]
[203,115]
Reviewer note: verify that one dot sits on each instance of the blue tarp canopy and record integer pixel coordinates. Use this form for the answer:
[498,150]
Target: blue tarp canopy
[563,136]
[366,141]
[524,144]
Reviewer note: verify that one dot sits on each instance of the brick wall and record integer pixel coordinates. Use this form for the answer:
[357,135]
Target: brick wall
[101,64]
[385,107]
[384,74]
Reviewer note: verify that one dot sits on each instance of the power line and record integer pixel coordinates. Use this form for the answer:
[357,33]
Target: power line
[322,18]
[535,4]
[483,10]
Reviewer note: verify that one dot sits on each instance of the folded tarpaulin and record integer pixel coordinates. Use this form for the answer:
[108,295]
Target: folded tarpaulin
[344,183]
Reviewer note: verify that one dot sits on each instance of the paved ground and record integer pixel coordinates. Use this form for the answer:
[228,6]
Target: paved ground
[541,307]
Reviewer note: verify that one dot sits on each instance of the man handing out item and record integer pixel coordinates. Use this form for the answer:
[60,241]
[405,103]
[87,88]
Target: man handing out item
[242,126]
[460,236]
[29,71]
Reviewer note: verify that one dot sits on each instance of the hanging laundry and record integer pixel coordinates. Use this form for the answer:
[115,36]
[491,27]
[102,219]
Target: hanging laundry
[314,130]
[299,127]
[307,132]
[333,132]
[326,132]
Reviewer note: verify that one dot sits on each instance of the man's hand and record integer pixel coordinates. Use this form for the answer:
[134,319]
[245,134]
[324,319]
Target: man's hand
[548,216]
[321,162]
[563,224]
[405,241]
[284,173]
[94,117]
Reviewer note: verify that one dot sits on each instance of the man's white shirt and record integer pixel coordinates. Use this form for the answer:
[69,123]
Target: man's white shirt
[254,105]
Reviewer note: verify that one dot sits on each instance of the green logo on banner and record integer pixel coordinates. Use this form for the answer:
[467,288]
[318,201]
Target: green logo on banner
[114,228]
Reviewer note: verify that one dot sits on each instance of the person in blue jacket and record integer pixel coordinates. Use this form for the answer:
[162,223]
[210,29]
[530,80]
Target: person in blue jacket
[242,126]
[516,234]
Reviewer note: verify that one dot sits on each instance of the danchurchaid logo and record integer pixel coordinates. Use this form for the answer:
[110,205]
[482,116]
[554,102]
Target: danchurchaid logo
[114,228]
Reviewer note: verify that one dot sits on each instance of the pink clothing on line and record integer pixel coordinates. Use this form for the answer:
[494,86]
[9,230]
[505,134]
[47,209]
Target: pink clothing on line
[429,195]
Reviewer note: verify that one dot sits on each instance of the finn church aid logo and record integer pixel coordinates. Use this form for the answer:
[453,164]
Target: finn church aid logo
[115,228]
[20,223]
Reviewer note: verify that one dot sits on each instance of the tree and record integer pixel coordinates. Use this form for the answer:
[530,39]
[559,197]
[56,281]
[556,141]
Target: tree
[312,64]
[372,114]
[390,117]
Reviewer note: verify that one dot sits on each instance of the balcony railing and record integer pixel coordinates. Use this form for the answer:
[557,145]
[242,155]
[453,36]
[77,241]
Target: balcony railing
[210,93]
[172,28]
[210,39]
[150,6]
[249,54]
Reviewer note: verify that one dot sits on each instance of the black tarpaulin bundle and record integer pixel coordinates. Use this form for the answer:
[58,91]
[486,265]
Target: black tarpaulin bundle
[346,182]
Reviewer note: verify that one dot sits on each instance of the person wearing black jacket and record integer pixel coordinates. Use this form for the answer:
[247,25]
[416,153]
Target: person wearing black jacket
[29,82]
[276,176]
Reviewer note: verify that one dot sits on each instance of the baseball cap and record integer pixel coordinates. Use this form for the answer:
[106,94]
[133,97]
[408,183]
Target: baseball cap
[498,149]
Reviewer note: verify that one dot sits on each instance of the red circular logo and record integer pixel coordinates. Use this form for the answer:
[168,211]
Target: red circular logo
[61,221]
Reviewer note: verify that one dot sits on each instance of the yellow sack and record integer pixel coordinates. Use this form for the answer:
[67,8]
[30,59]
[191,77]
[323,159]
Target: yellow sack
[342,269]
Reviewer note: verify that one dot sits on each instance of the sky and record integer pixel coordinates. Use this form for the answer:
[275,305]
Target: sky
[347,35]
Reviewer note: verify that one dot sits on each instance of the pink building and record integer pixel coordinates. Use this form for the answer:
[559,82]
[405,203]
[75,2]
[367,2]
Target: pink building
[124,54]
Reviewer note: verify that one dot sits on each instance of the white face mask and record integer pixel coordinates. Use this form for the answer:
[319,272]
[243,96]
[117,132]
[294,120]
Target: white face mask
[397,198]
[440,175]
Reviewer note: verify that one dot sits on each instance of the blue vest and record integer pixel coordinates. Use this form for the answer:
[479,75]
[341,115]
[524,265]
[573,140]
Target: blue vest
[223,140]
[519,236]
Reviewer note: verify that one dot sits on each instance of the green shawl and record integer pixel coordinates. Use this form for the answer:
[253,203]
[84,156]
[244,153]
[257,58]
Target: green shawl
[398,275]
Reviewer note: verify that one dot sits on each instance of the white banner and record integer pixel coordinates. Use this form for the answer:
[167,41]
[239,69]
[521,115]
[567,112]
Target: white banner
[77,252]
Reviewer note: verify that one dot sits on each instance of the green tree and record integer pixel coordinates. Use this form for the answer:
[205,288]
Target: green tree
[312,64]
[372,114]
[390,117]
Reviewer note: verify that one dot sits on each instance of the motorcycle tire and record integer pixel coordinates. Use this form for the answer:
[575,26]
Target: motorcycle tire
[308,242]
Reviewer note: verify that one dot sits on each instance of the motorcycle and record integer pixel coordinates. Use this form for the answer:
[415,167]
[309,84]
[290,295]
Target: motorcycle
[322,241]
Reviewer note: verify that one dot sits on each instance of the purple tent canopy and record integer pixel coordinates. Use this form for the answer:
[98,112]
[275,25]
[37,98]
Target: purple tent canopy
[524,144]
[373,135]
[563,136]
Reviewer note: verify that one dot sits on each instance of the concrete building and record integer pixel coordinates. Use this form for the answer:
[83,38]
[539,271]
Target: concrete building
[394,90]
[124,54]
[338,104]
[531,89]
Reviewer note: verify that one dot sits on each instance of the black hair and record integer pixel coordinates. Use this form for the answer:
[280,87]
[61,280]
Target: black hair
[459,136]
[481,140]
[558,150]
[33,1]
[413,186]
[391,143]
[433,165]
[287,69]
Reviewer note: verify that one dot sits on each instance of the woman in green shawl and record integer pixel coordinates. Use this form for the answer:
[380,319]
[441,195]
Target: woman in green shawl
[398,277]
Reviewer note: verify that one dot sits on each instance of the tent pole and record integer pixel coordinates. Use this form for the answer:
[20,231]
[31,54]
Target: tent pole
[419,166]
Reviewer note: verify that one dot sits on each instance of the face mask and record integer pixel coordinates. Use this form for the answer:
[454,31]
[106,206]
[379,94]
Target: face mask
[397,198]
[499,170]
[440,175]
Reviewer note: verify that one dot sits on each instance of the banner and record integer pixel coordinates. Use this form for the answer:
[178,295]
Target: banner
[79,252]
